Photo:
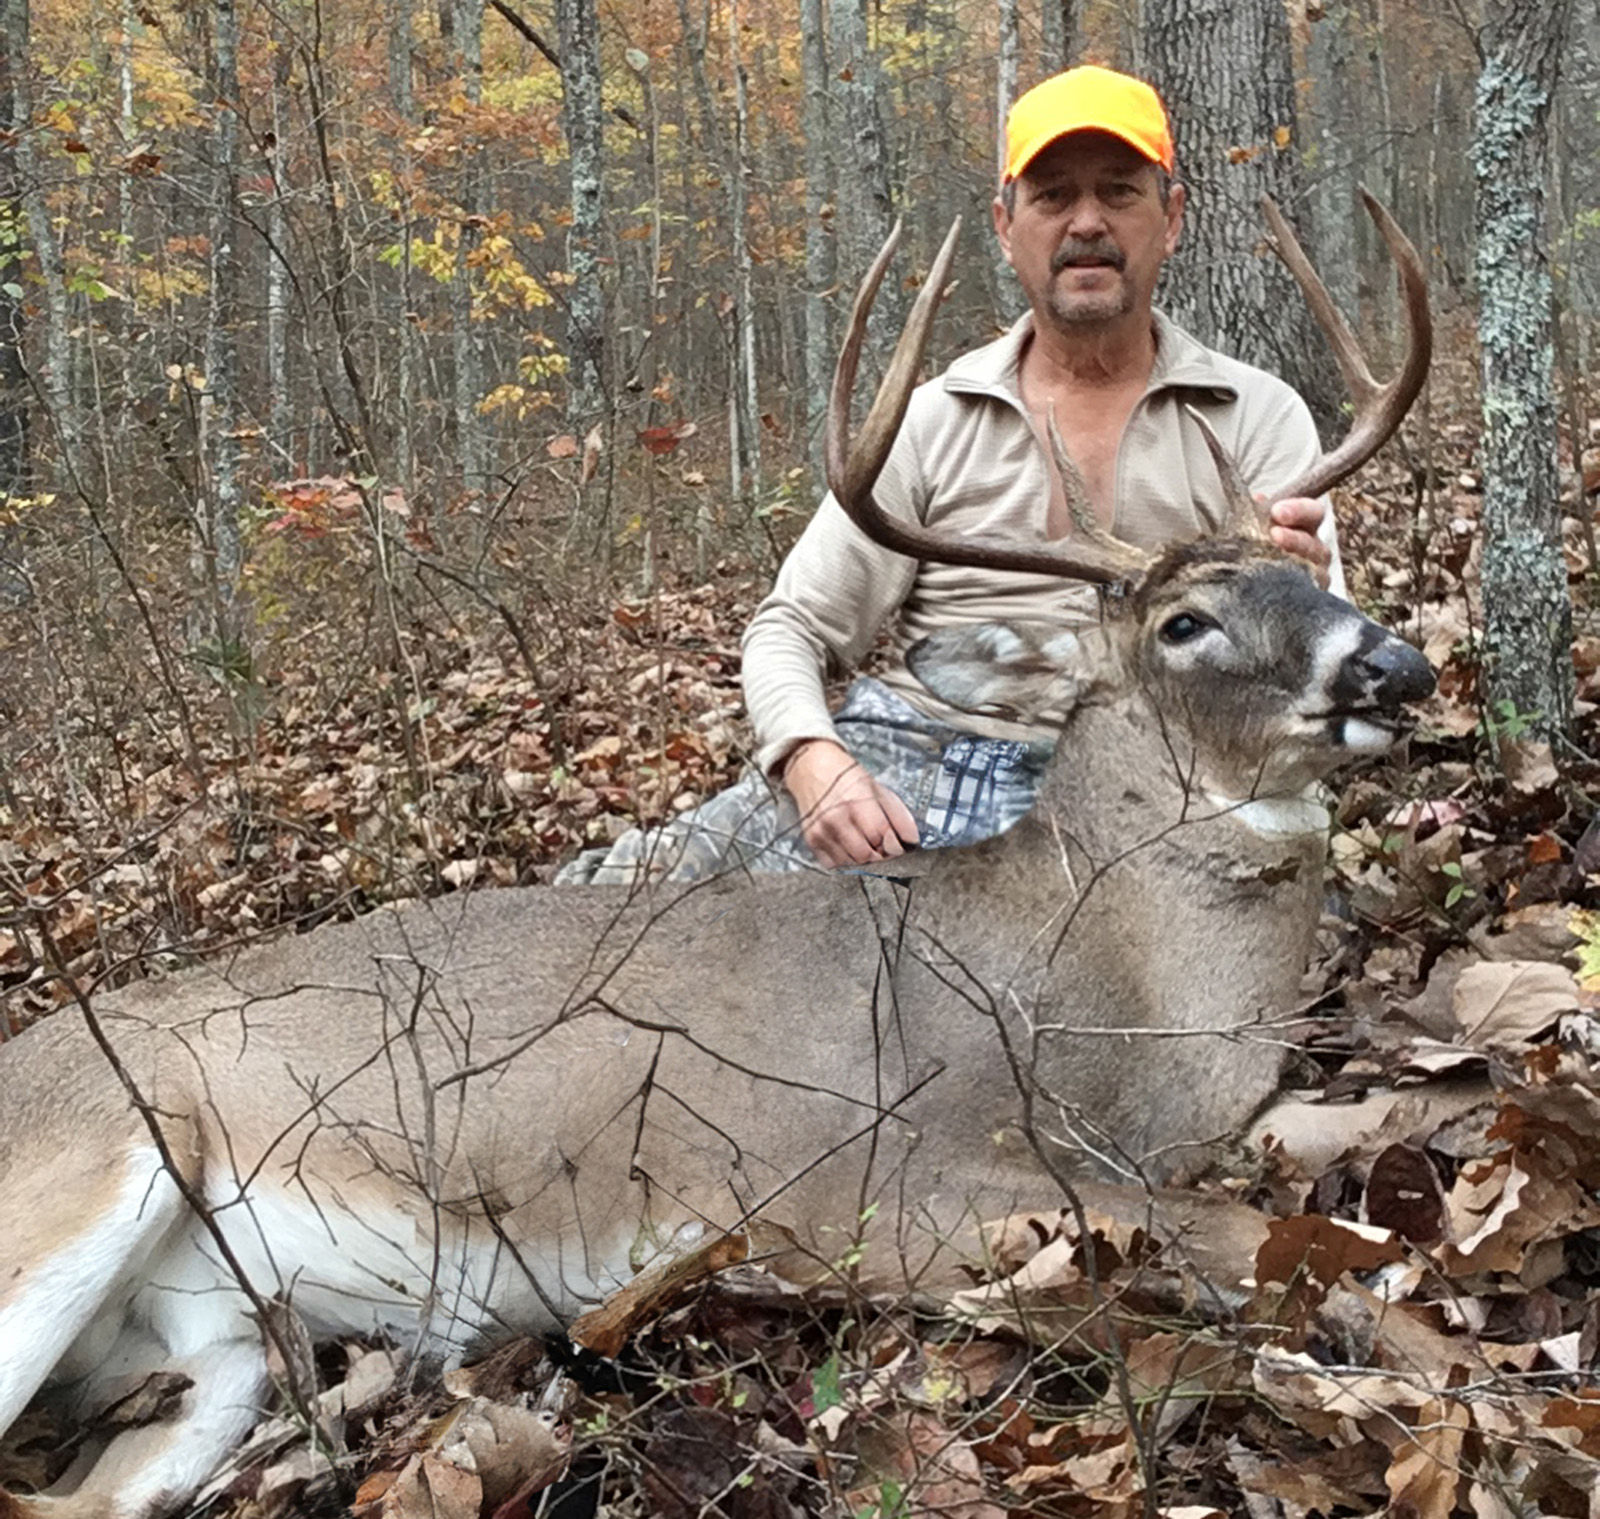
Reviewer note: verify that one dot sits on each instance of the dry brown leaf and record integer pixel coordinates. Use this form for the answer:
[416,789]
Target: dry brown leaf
[1338,1477]
[514,1450]
[1174,1375]
[1506,1003]
[1108,1476]
[428,1487]
[1404,1195]
[1528,765]
[1488,1503]
[936,1468]
[1327,1403]
[1425,1475]
[1581,1414]
[1322,1250]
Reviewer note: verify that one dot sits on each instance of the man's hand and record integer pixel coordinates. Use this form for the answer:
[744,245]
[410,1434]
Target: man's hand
[846,816]
[1295,521]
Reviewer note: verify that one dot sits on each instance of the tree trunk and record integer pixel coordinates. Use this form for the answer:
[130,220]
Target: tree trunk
[471,437]
[865,200]
[399,60]
[817,118]
[127,123]
[579,30]
[1334,124]
[221,555]
[13,371]
[397,299]
[1058,30]
[1008,294]
[280,416]
[1226,71]
[743,409]
[1526,608]
[54,377]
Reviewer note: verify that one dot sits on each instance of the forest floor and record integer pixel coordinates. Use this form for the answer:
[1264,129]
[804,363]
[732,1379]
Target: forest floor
[1409,1323]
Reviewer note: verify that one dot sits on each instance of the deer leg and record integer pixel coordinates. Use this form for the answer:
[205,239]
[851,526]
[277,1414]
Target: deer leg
[140,1470]
[80,1308]
[65,1268]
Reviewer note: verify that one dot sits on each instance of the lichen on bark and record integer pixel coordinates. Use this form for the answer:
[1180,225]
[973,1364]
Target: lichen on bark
[1527,609]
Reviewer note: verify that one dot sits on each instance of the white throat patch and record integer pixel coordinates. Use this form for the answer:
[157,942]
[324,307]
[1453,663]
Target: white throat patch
[1276,816]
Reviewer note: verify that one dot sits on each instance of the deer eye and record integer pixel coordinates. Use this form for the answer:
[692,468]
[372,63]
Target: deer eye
[1183,627]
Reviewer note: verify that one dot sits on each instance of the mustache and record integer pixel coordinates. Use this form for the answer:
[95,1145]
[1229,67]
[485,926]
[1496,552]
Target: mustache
[1074,249]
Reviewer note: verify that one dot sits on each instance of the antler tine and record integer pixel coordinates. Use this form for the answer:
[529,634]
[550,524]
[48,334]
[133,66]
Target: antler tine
[853,467]
[1379,407]
[1246,518]
[1086,525]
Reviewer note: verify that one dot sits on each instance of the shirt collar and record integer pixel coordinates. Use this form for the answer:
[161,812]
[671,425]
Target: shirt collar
[1182,363]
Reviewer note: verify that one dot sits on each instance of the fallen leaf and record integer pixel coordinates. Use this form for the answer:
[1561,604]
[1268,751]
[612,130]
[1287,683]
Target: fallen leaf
[1425,1474]
[1508,1002]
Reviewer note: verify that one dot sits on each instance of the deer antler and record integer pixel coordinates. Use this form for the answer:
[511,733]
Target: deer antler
[1379,408]
[1090,553]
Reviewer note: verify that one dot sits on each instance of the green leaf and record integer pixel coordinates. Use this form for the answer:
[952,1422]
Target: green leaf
[825,1391]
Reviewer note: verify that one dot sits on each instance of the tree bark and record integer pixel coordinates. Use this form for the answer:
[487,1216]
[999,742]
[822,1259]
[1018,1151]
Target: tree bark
[54,375]
[1334,124]
[866,203]
[471,436]
[1058,30]
[1226,71]
[13,371]
[1008,294]
[579,30]
[399,59]
[280,392]
[746,450]
[221,554]
[1526,607]
[816,125]
[397,299]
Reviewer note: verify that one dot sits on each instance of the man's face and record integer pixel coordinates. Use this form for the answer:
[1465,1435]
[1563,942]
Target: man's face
[1089,234]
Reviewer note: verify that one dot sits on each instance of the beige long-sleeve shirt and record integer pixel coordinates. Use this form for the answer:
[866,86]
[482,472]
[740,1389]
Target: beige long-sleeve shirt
[968,460]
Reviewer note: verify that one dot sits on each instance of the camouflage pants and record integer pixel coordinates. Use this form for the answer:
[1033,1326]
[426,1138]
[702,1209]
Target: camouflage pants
[958,788]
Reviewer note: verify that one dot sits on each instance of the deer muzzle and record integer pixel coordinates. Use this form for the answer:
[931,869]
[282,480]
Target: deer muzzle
[1371,689]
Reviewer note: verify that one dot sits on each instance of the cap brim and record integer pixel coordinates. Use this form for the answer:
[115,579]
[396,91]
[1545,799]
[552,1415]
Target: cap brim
[1055,134]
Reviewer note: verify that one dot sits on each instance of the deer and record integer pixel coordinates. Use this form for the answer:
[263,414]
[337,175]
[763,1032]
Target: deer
[450,1121]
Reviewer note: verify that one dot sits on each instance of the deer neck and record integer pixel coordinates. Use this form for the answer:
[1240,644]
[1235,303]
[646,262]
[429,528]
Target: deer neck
[1120,772]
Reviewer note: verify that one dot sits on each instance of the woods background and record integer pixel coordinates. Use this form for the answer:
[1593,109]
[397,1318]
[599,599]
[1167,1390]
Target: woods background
[402,405]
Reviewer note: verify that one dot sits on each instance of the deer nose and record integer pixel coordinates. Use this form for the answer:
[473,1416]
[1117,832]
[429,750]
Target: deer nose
[1394,673]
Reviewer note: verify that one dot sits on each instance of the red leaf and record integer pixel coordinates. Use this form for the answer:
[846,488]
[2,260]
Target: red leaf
[662,440]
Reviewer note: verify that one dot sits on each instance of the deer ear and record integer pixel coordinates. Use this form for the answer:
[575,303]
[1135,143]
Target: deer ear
[1017,671]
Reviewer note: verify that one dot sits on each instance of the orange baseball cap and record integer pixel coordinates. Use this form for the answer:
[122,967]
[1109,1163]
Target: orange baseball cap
[1087,99]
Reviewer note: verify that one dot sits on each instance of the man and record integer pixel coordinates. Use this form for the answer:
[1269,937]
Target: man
[1086,215]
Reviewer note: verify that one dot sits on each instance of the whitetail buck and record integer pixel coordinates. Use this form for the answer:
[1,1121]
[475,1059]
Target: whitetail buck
[462,1118]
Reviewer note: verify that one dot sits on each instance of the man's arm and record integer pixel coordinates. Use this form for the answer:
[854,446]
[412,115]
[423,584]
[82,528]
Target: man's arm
[848,817]
[834,592]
